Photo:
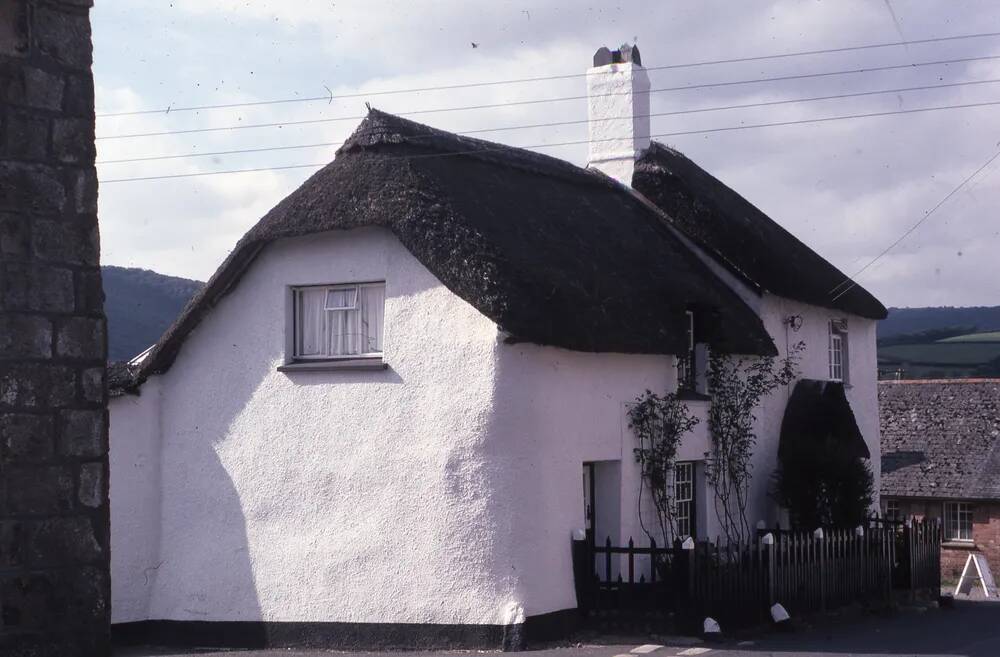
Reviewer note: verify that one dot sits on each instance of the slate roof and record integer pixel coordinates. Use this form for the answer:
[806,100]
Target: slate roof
[741,237]
[941,439]
[818,411]
[554,254]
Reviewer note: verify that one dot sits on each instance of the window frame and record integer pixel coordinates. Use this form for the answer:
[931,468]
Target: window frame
[957,511]
[686,374]
[838,346]
[326,358]
[687,503]
[892,511]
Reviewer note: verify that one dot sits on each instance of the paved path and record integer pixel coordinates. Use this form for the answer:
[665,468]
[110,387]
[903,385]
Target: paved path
[971,629]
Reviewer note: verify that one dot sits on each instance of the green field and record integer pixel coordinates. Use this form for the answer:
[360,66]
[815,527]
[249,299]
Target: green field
[941,353]
[990,336]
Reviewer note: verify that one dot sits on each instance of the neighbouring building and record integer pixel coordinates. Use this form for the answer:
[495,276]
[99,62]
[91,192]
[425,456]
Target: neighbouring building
[941,459]
[372,425]
[55,594]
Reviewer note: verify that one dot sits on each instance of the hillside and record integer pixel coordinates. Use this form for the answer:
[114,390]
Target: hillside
[905,321]
[140,305]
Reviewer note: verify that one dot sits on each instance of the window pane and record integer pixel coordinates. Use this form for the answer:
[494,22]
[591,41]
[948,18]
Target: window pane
[310,322]
[371,303]
[958,521]
[342,299]
[684,497]
[343,332]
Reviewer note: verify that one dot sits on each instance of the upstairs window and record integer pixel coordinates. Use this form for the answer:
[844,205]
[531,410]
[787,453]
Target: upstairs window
[838,351]
[692,364]
[685,362]
[338,321]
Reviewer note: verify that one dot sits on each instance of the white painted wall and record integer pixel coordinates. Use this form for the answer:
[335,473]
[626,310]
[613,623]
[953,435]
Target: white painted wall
[321,496]
[618,112]
[135,501]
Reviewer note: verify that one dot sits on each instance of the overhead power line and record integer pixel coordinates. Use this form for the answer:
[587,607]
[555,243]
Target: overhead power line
[587,141]
[552,124]
[385,92]
[850,282]
[706,85]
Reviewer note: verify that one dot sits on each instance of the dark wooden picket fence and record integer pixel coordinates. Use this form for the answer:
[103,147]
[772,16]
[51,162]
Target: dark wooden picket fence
[738,584]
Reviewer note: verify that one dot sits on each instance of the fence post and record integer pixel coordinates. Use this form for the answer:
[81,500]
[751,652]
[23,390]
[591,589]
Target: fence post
[582,570]
[767,541]
[688,547]
[910,552]
[818,536]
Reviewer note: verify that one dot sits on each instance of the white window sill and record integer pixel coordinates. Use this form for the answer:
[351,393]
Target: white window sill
[359,363]
[963,543]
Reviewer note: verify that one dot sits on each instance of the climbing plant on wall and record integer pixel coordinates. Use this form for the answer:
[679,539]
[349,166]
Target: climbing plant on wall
[737,387]
[659,424]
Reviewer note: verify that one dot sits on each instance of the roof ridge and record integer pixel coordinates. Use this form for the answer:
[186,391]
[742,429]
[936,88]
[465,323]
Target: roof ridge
[376,129]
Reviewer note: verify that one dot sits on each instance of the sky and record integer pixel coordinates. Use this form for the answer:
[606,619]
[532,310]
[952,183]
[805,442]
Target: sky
[847,188]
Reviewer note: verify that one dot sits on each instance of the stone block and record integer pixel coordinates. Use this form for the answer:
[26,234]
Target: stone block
[27,137]
[73,140]
[91,489]
[25,336]
[14,28]
[69,242]
[30,188]
[39,490]
[79,96]
[92,383]
[26,437]
[64,36]
[89,292]
[15,236]
[26,602]
[61,541]
[11,544]
[36,386]
[27,286]
[85,191]
[82,433]
[81,337]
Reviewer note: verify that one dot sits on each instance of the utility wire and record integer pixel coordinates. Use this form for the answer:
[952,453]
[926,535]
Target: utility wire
[770,103]
[550,100]
[851,281]
[587,141]
[331,97]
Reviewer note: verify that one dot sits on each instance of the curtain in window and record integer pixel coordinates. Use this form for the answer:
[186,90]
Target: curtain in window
[310,322]
[371,312]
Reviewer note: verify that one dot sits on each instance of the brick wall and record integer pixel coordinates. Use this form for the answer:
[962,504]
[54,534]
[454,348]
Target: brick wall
[54,587]
[985,535]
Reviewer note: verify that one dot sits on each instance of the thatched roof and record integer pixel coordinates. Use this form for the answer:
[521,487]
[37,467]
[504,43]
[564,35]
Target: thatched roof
[743,238]
[941,439]
[554,254]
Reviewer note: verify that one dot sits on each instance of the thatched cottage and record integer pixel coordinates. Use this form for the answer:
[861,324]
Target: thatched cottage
[372,424]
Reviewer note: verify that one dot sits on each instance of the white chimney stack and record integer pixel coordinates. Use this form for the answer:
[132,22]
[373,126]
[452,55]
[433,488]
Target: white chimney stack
[618,111]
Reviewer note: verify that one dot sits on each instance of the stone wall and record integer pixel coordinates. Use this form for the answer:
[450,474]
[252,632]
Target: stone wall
[54,536]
